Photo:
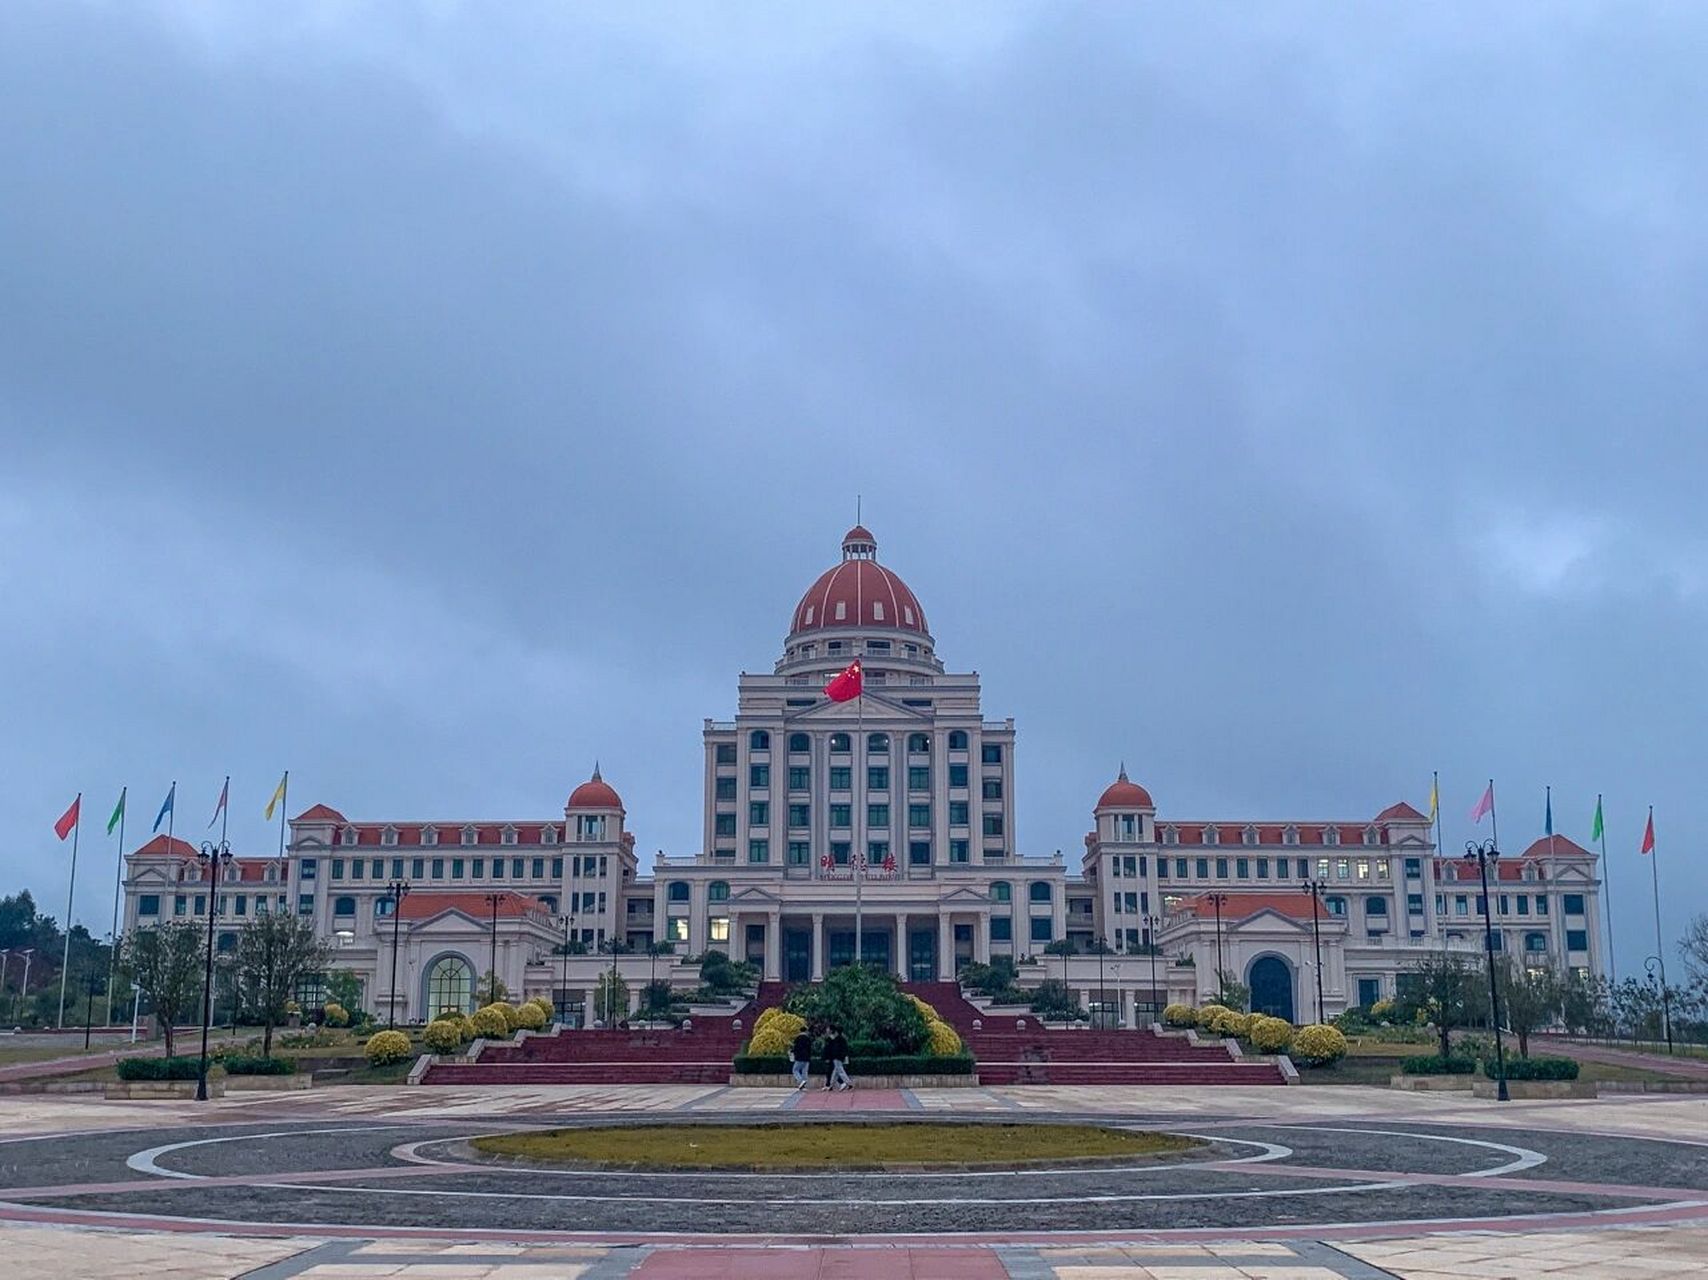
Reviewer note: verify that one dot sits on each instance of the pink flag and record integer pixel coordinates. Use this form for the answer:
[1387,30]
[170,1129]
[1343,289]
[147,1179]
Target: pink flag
[1483,806]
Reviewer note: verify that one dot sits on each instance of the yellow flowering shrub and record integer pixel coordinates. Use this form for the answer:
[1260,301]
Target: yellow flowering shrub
[387,1046]
[1319,1044]
[1382,1010]
[1180,1015]
[442,1036]
[1226,1022]
[930,1014]
[770,1042]
[491,1023]
[507,1011]
[335,1014]
[1207,1014]
[1269,1034]
[944,1042]
[529,1017]
[788,1024]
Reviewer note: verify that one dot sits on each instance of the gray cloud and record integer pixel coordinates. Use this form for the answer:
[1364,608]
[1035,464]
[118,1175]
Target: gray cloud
[1289,405]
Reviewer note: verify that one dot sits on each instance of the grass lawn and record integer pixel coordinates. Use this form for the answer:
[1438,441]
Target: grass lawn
[44,1053]
[830,1145]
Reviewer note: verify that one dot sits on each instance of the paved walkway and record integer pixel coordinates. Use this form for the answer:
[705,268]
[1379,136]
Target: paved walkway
[1685,1066]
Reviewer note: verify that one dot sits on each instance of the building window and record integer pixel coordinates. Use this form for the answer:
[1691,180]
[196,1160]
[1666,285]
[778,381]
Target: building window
[919,853]
[1541,904]
[538,868]
[759,850]
[723,824]
[759,775]
[429,835]
[878,744]
[798,778]
[841,778]
[957,740]
[877,815]
[1376,906]
[800,853]
[799,742]
[1242,868]
[992,788]
[678,891]
[759,740]
[1212,835]
[724,753]
[1577,940]
[800,815]
[993,824]
[919,777]
[959,851]
[1203,868]
[438,868]
[717,929]
[337,868]
[1040,928]
[457,867]
[548,835]
[877,853]
[305,904]
[347,836]
[1249,835]
[1263,868]
[1572,904]
[840,744]
[717,891]
[877,778]
[1221,868]
[990,753]
[676,929]
[841,815]
[918,815]
[470,835]
[148,904]
[344,906]
[724,789]
[1001,929]
[1039,891]
[919,744]
[957,813]
[1335,906]
[1001,891]
[957,775]
[758,813]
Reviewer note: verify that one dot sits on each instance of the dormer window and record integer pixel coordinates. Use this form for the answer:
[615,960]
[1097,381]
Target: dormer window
[470,835]
[1171,834]
[347,836]
[1212,836]
[1249,835]
[388,836]
[1290,835]
[878,613]
[1372,836]
[1331,835]
[508,836]
[429,835]
[548,835]
[907,614]
[272,872]
[841,610]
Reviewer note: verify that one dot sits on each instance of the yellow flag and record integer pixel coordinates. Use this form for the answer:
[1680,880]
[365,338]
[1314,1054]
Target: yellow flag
[1434,797]
[278,795]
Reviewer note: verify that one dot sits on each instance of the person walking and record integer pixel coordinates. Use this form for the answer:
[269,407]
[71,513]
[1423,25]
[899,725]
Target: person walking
[800,1058]
[836,1054]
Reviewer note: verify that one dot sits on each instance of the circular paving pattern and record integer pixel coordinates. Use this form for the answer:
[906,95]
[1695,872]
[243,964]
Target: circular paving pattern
[1251,1179]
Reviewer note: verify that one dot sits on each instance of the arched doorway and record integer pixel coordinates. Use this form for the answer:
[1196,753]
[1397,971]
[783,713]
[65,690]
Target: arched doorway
[1271,983]
[450,986]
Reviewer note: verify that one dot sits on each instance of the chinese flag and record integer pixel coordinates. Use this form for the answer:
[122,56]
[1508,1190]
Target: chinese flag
[845,685]
[68,819]
[1648,834]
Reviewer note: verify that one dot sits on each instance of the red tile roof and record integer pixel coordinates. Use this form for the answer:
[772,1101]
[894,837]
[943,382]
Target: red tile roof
[165,845]
[319,813]
[1401,812]
[1556,845]
[1124,792]
[1242,906]
[424,904]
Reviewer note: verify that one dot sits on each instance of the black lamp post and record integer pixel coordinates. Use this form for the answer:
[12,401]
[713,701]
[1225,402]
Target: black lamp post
[1315,889]
[398,889]
[1152,924]
[213,857]
[1216,900]
[1650,964]
[1484,854]
[1102,995]
[492,900]
[563,981]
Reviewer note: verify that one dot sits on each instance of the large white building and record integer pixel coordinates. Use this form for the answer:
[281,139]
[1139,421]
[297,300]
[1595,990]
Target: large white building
[916,778]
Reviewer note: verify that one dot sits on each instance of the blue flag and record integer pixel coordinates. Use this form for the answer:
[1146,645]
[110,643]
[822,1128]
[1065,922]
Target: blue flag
[165,806]
[1548,814]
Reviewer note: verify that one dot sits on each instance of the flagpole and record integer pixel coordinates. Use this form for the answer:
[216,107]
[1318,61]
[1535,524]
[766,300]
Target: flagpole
[118,892]
[1606,898]
[284,808]
[70,897]
[171,815]
[1435,795]
[1660,946]
[1494,818]
[858,865]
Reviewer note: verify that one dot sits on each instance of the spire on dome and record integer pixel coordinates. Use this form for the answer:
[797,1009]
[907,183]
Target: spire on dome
[596,775]
[859,544]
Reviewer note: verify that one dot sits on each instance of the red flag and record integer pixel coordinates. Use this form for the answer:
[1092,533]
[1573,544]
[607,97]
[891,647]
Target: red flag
[68,820]
[1648,834]
[1482,807]
[845,685]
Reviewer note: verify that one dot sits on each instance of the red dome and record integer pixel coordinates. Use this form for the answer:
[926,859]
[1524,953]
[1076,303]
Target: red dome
[859,592]
[1123,794]
[595,793]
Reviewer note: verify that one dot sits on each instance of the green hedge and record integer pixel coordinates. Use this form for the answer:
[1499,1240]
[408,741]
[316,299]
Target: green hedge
[254,1064]
[1436,1065]
[180,1068]
[1533,1069]
[891,1065]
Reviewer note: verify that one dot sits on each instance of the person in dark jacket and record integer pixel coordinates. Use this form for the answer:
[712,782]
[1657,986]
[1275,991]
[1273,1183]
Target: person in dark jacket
[836,1054]
[800,1058]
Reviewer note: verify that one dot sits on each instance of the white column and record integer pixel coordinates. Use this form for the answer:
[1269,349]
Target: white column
[817,946]
[901,939]
[774,947]
[981,937]
[945,946]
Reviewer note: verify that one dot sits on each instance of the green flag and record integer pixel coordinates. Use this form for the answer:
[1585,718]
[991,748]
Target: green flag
[1595,833]
[118,811]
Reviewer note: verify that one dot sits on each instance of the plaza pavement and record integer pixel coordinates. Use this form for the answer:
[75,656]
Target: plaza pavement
[1611,1251]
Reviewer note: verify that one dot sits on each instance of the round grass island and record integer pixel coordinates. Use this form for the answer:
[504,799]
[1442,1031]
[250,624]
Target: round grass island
[830,1145]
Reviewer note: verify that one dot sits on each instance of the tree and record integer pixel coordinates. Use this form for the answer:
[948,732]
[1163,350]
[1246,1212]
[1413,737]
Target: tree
[1443,989]
[1584,1004]
[1231,992]
[166,963]
[610,998]
[1693,946]
[1529,998]
[490,989]
[274,954]
[345,988]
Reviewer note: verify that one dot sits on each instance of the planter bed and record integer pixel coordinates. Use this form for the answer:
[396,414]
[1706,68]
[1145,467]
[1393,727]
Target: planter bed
[138,1089]
[1433,1084]
[1537,1088]
[270,1084]
[785,1081]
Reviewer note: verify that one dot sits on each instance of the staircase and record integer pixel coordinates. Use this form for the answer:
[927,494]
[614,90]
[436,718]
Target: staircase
[1039,1054]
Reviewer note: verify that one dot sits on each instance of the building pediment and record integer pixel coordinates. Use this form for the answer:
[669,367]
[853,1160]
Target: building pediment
[965,896]
[754,896]
[878,707]
[1410,842]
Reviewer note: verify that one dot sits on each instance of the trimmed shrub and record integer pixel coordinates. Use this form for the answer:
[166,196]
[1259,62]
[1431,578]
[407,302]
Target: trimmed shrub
[931,1015]
[507,1011]
[1269,1034]
[255,1064]
[387,1046]
[888,1065]
[1180,1015]
[442,1036]
[1533,1068]
[1433,1064]
[770,1041]
[943,1041]
[179,1068]
[491,1023]
[788,1024]
[1318,1045]
[1382,1010]
[1229,1023]
[334,1014]
[1207,1014]
[529,1017]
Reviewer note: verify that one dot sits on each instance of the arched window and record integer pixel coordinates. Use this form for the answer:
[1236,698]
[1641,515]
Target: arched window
[919,743]
[450,986]
[678,891]
[344,906]
[718,891]
[958,740]
[1040,891]
[759,740]
[1375,906]
[799,742]
[1002,891]
[878,744]
[839,742]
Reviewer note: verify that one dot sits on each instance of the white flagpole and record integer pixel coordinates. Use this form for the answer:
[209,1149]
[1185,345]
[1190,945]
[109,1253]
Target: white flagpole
[70,897]
[859,867]
[118,893]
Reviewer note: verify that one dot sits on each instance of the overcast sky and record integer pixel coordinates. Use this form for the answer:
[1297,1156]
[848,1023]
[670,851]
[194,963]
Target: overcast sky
[1288,401]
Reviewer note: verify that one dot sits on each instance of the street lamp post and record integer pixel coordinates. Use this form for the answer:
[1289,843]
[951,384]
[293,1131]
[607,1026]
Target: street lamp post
[1152,924]
[492,900]
[1102,995]
[1315,889]
[1650,964]
[562,1002]
[398,889]
[1484,854]
[213,858]
[1216,901]
[24,991]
